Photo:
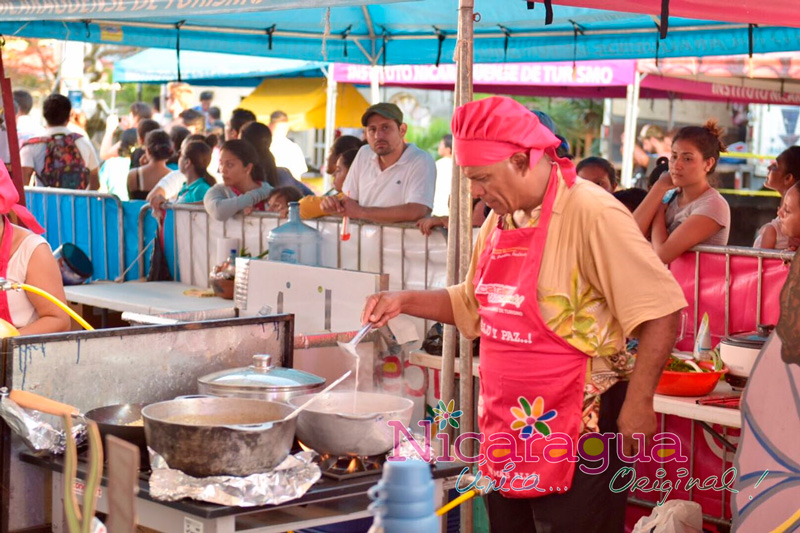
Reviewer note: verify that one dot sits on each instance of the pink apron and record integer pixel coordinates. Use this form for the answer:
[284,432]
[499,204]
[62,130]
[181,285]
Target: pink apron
[5,257]
[532,381]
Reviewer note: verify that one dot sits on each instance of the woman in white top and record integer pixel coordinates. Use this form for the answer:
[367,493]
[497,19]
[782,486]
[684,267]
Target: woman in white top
[784,172]
[682,209]
[25,257]
[243,189]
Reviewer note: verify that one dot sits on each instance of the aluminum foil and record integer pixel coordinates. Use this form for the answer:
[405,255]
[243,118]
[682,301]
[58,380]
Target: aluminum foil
[408,449]
[288,481]
[34,432]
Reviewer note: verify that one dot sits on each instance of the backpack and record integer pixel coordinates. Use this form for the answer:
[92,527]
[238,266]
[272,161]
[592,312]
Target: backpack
[63,163]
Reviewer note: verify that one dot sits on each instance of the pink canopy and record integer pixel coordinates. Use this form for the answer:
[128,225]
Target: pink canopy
[600,79]
[771,12]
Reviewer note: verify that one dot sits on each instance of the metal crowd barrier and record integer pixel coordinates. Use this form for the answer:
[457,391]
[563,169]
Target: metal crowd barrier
[397,249]
[37,200]
[729,252]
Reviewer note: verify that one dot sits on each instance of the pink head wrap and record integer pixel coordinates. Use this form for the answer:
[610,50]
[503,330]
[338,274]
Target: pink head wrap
[9,198]
[491,130]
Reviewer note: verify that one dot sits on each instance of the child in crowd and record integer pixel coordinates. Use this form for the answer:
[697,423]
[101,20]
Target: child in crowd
[310,205]
[178,134]
[789,215]
[682,209]
[172,184]
[243,189]
[158,149]
[279,199]
[260,137]
[783,174]
[342,144]
[599,171]
[193,163]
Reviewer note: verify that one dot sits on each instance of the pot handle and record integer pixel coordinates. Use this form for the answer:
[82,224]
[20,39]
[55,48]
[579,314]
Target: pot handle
[29,400]
[194,396]
[251,427]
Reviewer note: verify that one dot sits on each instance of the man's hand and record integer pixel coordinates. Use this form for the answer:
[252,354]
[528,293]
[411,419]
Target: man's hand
[351,208]
[382,307]
[332,206]
[636,417]
[427,224]
[656,339]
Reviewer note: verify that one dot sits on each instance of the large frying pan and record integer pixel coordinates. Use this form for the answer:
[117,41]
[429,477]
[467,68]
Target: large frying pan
[110,420]
[114,420]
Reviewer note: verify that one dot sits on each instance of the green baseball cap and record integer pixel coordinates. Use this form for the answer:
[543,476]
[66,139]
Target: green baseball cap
[384,109]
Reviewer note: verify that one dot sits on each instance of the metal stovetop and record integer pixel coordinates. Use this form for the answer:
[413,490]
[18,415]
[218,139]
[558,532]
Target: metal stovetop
[323,490]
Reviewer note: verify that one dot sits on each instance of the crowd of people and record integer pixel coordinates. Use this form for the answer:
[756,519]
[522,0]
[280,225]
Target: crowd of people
[190,156]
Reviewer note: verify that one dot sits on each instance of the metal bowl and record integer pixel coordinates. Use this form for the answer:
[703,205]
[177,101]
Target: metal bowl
[334,426]
[219,436]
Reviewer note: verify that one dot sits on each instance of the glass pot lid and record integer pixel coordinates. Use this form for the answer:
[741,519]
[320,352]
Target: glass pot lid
[262,375]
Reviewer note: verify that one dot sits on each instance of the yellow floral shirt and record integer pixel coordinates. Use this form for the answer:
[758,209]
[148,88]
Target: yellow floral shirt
[599,280]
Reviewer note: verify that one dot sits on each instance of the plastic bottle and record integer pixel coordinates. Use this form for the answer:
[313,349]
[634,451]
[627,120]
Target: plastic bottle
[404,499]
[230,268]
[294,242]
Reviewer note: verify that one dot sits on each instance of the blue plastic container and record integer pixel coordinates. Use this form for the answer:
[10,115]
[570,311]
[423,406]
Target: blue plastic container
[399,515]
[294,242]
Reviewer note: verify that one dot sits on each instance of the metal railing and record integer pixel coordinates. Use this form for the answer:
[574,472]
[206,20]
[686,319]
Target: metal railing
[57,239]
[398,249]
[729,252]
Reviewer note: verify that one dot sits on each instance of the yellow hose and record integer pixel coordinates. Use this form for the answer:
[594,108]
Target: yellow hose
[64,307]
[455,503]
[788,523]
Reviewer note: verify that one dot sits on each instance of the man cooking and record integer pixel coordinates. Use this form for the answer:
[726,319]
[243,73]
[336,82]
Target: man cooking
[559,278]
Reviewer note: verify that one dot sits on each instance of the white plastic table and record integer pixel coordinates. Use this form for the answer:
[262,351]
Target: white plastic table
[687,407]
[147,298]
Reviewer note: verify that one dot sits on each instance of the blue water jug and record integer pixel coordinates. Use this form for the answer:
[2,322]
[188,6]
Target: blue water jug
[294,242]
[404,499]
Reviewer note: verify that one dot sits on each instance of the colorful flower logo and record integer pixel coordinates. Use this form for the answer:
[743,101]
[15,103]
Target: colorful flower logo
[532,418]
[445,415]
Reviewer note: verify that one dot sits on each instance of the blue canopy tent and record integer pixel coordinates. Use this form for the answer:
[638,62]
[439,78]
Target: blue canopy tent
[210,68]
[413,32]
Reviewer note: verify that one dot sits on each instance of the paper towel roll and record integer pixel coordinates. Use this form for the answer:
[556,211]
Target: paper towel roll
[224,247]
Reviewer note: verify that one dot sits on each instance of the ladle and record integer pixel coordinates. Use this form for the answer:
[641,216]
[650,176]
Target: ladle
[350,347]
[317,396]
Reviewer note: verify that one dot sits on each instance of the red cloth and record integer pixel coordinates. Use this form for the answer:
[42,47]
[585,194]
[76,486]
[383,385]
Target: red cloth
[493,129]
[9,198]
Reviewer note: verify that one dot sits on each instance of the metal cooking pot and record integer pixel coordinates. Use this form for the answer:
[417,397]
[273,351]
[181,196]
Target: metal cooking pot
[262,381]
[331,425]
[219,436]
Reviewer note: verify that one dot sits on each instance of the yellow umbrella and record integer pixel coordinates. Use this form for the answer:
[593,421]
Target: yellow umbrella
[304,100]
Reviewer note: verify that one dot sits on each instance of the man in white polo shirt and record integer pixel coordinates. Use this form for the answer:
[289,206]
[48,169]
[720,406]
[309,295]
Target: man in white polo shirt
[390,180]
